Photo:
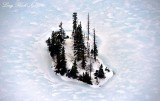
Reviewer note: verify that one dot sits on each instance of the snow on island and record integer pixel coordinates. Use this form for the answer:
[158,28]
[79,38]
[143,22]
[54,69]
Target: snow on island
[75,55]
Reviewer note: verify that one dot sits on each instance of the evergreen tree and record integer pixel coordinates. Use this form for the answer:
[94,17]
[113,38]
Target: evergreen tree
[52,44]
[83,61]
[83,56]
[101,72]
[62,33]
[92,52]
[86,78]
[79,47]
[80,77]
[55,47]
[88,27]
[63,62]
[95,51]
[74,71]
[96,74]
[53,38]
[74,33]
[58,50]
[74,23]
[58,65]
[88,45]
[78,40]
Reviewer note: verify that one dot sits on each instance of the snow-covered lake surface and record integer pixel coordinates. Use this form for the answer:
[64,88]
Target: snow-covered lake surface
[128,39]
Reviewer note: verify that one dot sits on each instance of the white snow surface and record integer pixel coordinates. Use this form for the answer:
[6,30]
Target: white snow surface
[128,40]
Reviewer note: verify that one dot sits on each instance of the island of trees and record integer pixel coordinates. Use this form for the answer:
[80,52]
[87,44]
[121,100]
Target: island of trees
[85,65]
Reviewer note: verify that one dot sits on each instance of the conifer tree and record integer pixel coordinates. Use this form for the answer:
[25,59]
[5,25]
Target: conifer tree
[83,60]
[95,51]
[74,23]
[63,62]
[90,65]
[74,71]
[80,77]
[79,47]
[88,47]
[83,54]
[51,42]
[101,72]
[74,33]
[61,30]
[58,65]
[96,74]
[88,27]
[58,50]
[86,78]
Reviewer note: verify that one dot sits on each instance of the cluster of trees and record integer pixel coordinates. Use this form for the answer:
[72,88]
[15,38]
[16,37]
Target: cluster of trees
[78,44]
[57,50]
[82,52]
[73,73]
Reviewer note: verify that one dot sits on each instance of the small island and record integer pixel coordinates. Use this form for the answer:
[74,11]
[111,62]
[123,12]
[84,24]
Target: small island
[75,55]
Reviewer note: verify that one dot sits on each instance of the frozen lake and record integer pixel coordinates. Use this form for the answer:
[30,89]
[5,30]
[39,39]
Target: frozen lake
[128,42]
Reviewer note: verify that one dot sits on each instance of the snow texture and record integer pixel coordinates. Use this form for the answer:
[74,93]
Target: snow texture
[128,40]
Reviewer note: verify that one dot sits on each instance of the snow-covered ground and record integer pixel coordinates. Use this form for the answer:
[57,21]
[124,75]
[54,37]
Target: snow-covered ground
[128,40]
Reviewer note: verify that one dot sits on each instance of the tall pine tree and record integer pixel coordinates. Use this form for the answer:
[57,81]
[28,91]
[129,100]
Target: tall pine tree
[95,51]
[58,47]
[79,47]
[57,41]
[88,27]
[88,47]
